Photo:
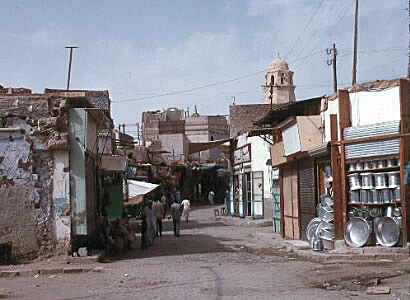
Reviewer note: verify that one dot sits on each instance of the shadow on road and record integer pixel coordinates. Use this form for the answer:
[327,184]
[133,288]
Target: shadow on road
[187,243]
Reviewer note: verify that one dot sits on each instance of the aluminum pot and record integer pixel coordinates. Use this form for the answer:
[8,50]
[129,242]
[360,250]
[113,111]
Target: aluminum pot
[317,245]
[326,234]
[387,232]
[354,196]
[326,200]
[398,221]
[367,181]
[393,179]
[380,181]
[356,232]
[390,163]
[364,196]
[354,181]
[367,165]
[327,216]
[311,228]
[389,211]
[328,244]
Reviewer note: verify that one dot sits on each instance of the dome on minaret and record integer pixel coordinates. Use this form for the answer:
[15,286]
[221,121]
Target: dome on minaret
[278,64]
[279,86]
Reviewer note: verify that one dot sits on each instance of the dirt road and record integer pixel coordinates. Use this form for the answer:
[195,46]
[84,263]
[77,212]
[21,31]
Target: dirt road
[213,261]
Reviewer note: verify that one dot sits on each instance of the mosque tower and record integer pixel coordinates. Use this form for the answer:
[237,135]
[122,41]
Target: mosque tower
[279,83]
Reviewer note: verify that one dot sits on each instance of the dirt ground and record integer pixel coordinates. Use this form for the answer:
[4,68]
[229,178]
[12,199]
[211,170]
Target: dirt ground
[213,261]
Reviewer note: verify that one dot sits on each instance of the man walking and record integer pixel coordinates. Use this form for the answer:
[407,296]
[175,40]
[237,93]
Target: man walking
[186,207]
[211,196]
[164,203]
[176,216]
[159,215]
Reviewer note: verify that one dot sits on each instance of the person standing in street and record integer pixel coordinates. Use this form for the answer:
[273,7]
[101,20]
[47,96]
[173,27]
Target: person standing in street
[147,226]
[186,205]
[158,215]
[164,203]
[178,196]
[211,197]
[176,216]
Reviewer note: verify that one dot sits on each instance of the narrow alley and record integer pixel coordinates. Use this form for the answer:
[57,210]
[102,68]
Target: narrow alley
[212,261]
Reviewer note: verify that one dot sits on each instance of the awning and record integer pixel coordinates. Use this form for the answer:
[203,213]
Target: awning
[197,147]
[263,131]
[137,190]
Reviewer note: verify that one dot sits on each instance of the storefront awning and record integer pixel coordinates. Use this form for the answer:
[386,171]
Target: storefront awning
[197,147]
[137,190]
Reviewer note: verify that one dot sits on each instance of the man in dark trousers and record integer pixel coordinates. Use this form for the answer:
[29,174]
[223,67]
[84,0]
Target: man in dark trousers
[159,215]
[176,216]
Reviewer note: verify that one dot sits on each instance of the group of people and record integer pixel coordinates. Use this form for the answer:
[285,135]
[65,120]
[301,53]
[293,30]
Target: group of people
[153,214]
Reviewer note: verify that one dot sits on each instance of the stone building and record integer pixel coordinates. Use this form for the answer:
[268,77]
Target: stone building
[48,162]
[169,133]
[199,129]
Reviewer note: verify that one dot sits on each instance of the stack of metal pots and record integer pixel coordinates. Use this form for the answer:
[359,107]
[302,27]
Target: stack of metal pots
[320,231]
[374,187]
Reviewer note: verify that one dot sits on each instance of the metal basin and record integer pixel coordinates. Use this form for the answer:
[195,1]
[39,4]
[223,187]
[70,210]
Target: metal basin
[357,232]
[387,232]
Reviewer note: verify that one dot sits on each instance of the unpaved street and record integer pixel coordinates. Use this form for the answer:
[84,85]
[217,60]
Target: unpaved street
[213,261]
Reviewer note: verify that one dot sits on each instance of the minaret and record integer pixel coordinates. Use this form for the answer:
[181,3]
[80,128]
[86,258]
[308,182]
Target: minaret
[279,83]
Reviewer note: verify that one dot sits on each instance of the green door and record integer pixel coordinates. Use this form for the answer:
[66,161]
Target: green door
[276,205]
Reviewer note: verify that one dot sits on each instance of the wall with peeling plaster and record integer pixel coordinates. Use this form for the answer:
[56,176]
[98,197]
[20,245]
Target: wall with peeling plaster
[32,128]
[61,197]
[24,206]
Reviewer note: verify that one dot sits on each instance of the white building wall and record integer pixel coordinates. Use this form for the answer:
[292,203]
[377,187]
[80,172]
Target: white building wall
[260,153]
[366,107]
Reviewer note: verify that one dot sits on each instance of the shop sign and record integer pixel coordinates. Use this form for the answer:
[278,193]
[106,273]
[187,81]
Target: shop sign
[242,154]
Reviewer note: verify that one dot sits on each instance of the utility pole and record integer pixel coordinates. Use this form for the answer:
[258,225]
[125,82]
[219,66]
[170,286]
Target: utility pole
[332,61]
[355,43]
[69,65]
[138,133]
[270,86]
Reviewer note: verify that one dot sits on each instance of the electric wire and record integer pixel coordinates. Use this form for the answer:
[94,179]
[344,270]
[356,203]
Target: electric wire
[304,29]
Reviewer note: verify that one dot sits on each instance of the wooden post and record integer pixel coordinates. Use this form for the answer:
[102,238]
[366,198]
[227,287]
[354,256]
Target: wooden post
[404,157]
[336,184]
[344,121]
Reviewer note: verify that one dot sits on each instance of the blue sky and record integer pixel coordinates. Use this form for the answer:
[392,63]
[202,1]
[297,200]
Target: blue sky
[140,49]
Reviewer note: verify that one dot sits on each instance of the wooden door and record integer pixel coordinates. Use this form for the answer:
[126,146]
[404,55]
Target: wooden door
[290,202]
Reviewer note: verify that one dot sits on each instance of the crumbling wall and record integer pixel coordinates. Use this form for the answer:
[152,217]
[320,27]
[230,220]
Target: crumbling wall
[20,196]
[32,128]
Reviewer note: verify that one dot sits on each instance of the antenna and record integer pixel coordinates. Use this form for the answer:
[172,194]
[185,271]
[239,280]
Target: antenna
[69,65]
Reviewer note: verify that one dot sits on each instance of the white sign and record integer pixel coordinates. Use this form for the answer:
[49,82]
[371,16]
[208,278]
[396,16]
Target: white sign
[242,155]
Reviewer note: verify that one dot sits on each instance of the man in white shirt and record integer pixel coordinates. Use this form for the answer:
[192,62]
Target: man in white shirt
[186,207]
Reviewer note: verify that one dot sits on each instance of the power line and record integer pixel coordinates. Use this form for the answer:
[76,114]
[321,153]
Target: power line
[304,29]
[178,92]
[301,49]
[335,26]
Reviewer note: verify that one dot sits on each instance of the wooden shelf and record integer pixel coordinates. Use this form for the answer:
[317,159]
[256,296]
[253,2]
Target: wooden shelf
[386,169]
[374,204]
